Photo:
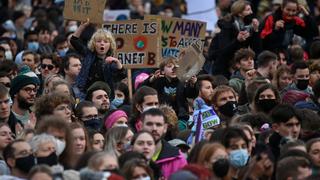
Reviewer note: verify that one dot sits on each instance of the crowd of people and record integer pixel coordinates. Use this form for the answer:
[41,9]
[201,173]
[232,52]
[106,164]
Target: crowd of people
[252,112]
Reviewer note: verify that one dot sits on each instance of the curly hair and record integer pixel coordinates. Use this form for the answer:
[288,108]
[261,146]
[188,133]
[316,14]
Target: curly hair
[47,103]
[104,35]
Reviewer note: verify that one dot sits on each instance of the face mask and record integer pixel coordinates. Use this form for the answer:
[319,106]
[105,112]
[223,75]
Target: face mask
[121,125]
[238,158]
[302,84]
[145,178]
[117,102]
[60,146]
[50,160]
[63,52]
[185,155]
[13,36]
[148,107]
[58,1]
[127,147]
[221,167]
[33,46]
[8,55]
[72,28]
[248,19]
[266,105]
[229,109]
[24,164]
[94,124]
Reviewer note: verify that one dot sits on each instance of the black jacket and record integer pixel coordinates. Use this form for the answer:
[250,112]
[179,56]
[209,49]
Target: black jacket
[225,44]
[173,93]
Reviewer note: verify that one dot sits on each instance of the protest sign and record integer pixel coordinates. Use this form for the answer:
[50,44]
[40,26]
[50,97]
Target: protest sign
[179,33]
[116,15]
[190,61]
[138,42]
[81,10]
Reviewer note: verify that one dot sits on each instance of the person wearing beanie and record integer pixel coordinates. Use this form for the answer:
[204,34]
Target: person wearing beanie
[99,93]
[116,118]
[23,93]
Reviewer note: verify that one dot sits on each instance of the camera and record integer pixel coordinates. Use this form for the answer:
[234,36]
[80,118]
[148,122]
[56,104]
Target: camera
[248,28]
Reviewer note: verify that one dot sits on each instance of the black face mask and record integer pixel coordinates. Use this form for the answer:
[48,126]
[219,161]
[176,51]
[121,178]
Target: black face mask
[221,167]
[247,20]
[229,109]
[94,124]
[302,84]
[266,105]
[24,164]
[50,160]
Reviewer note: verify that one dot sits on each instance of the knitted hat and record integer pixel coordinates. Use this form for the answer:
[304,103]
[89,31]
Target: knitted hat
[183,174]
[139,79]
[307,105]
[294,96]
[98,85]
[113,117]
[24,78]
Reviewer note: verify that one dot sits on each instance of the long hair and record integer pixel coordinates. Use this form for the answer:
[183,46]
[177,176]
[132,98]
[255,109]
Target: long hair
[113,137]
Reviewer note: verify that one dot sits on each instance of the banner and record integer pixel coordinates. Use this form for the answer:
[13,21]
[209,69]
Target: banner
[81,10]
[138,42]
[179,33]
[116,15]
[204,117]
[204,11]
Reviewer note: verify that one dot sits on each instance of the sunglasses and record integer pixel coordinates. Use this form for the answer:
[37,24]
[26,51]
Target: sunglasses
[6,84]
[50,66]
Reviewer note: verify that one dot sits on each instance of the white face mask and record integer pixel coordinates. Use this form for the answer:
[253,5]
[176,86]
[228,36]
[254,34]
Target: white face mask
[145,178]
[121,125]
[72,28]
[146,108]
[61,145]
[8,55]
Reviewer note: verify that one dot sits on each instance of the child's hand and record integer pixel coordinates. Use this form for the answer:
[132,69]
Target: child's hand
[81,28]
[111,59]
[85,23]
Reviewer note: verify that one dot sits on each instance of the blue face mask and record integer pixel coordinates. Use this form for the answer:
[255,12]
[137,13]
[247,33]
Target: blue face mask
[117,102]
[58,1]
[94,124]
[63,52]
[33,46]
[239,158]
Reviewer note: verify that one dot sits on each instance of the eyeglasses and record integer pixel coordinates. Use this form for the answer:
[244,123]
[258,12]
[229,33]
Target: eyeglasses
[6,84]
[63,108]
[30,89]
[50,66]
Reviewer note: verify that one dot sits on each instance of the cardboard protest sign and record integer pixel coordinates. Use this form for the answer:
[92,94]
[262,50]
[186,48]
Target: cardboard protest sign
[190,62]
[179,33]
[81,10]
[138,42]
